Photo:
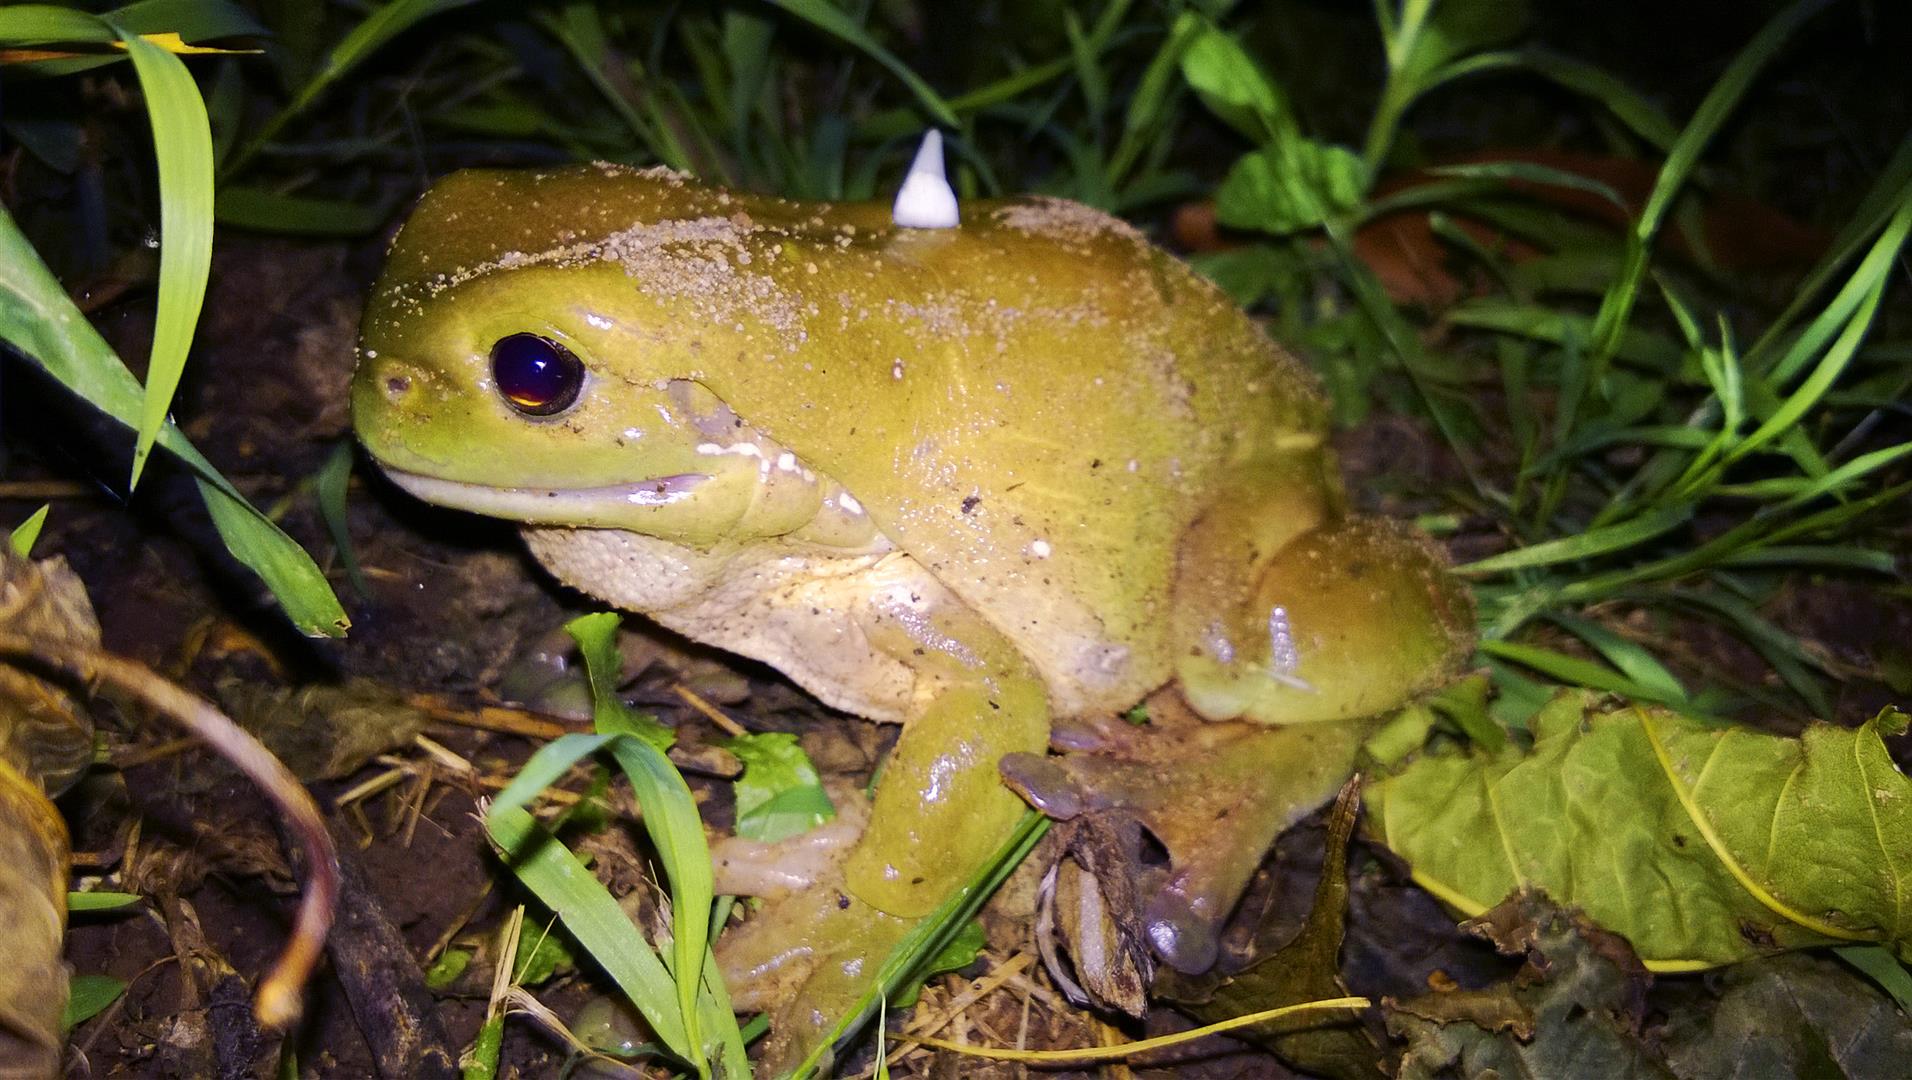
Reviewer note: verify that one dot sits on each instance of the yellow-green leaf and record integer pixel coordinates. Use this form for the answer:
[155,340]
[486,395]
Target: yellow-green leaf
[1702,845]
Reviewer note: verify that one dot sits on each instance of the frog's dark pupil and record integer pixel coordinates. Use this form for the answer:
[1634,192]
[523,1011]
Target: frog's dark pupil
[536,375]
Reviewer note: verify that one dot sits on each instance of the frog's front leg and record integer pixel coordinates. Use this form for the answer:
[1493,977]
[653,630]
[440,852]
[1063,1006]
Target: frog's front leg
[940,811]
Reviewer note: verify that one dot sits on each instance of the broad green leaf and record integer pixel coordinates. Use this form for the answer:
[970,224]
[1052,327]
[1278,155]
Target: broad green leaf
[87,996]
[42,24]
[37,318]
[1285,189]
[192,20]
[1701,845]
[778,795]
[182,140]
[1234,88]
[828,18]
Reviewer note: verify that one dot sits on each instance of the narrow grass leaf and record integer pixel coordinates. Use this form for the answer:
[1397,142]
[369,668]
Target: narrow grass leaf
[1847,557]
[384,23]
[1577,672]
[930,937]
[1890,192]
[592,916]
[21,540]
[295,215]
[329,488]
[1584,545]
[670,820]
[1681,159]
[1634,662]
[1626,104]
[100,900]
[1879,965]
[37,318]
[182,143]
[40,24]
[1783,652]
[825,17]
[1824,374]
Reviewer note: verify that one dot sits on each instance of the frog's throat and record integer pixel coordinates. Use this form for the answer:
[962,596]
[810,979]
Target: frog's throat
[546,505]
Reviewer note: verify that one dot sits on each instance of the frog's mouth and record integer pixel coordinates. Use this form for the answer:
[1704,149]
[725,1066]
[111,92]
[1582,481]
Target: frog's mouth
[550,505]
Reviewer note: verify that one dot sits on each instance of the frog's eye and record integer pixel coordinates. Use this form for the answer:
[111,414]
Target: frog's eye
[536,376]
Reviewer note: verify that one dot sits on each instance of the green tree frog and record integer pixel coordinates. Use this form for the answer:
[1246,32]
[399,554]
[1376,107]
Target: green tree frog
[975,480]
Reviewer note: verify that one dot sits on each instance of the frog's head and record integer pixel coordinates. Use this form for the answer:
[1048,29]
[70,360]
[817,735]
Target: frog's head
[516,361]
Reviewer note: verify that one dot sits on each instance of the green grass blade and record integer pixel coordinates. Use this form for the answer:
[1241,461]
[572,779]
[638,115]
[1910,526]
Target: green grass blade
[1830,367]
[329,489]
[1584,545]
[1634,662]
[384,23]
[1878,963]
[297,215]
[670,820]
[1628,106]
[1617,306]
[1572,669]
[593,917]
[825,17]
[1866,279]
[930,936]
[182,142]
[21,540]
[37,318]
[1531,173]
[1892,190]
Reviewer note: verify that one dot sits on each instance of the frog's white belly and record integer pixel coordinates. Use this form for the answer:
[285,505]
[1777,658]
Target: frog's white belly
[799,607]
[850,626]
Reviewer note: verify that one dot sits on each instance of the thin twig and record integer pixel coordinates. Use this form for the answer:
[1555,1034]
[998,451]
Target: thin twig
[276,1001]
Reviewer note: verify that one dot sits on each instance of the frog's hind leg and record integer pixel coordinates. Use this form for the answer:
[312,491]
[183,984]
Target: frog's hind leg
[1346,620]
[940,812]
[1341,621]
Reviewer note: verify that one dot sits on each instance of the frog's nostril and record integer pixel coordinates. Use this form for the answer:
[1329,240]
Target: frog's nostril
[397,386]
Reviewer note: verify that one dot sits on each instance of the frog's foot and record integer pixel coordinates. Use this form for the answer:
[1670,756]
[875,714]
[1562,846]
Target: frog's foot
[776,870]
[805,960]
[940,813]
[1213,795]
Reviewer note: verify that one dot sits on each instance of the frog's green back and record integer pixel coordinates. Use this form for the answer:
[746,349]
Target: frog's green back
[1038,405]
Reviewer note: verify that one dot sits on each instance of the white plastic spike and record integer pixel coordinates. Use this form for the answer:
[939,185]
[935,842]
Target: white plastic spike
[926,201]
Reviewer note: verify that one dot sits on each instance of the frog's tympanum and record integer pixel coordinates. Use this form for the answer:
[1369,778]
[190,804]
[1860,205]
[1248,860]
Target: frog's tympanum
[1028,470]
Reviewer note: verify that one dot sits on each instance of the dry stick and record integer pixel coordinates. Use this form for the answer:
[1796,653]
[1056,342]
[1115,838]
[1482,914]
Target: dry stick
[276,1002]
